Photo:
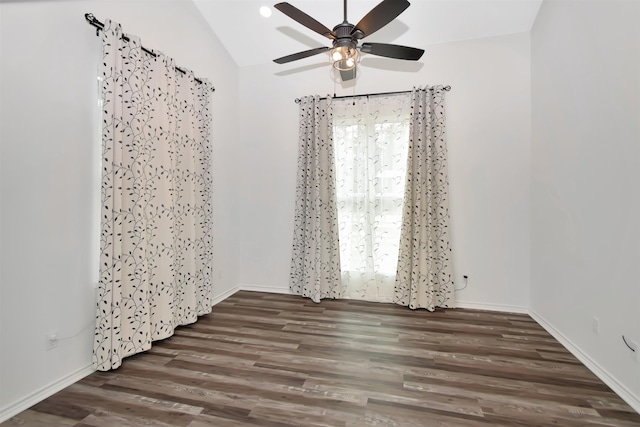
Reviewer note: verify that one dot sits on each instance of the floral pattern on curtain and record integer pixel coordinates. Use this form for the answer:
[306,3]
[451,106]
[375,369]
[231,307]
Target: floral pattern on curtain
[315,262]
[371,136]
[424,277]
[156,242]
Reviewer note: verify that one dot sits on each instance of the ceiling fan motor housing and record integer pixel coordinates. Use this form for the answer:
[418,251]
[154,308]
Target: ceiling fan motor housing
[343,37]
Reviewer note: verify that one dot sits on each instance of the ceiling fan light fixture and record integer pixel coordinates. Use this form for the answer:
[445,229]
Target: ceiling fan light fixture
[344,58]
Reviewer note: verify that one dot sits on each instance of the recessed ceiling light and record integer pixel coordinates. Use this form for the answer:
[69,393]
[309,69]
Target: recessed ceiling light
[265,11]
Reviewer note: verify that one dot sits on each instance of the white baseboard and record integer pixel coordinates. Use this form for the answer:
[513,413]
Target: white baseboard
[598,371]
[492,307]
[459,304]
[269,289]
[226,294]
[44,392]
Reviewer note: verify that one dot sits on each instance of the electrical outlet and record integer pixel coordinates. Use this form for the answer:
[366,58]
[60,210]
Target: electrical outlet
[51,341]
[595,325]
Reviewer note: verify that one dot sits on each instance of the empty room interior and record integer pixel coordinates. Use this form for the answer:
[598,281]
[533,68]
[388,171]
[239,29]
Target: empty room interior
[533,317]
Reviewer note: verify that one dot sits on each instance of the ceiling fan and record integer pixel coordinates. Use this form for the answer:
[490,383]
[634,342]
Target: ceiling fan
[345,36]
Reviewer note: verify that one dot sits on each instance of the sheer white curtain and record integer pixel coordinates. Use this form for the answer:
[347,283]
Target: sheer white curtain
[371,137]
[156,244]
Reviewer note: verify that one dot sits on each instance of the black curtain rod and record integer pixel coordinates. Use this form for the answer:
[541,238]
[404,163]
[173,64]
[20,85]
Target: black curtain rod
[92,20]
[447,88]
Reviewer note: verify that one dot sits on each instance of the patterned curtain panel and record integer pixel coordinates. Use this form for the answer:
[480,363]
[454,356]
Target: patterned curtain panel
[156,246]
[424,278]
[315,263]
[371,136]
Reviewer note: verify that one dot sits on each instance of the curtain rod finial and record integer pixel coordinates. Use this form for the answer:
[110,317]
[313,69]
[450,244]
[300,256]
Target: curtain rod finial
[92,20]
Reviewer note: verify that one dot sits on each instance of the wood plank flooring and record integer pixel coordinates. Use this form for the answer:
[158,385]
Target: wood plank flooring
[280,360]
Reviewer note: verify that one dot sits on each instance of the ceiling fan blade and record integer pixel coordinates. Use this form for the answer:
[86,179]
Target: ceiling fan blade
[346,75]
[300,55]
[380,16]
[392,51]
[304,19]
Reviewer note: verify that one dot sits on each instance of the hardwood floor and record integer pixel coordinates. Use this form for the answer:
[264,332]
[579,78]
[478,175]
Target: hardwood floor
[280,360]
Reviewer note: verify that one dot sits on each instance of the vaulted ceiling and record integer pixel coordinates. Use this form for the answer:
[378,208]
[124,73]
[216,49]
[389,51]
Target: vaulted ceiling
[252,39]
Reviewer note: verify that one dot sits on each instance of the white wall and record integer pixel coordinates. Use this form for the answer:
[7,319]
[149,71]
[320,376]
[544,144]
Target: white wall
[585,217]
[571,231]
[48,148]
[489,131]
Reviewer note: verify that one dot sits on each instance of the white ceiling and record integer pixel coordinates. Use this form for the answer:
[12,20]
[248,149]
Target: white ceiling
[252,39]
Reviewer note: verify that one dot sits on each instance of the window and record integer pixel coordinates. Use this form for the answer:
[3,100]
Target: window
[370,138]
